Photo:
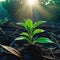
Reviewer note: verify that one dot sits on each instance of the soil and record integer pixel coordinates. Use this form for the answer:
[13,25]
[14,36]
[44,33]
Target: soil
[32,52]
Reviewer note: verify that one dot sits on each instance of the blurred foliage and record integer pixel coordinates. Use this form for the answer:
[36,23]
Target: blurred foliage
[4,21]
[13,6]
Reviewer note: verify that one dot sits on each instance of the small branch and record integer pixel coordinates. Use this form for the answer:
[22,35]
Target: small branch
[2,31]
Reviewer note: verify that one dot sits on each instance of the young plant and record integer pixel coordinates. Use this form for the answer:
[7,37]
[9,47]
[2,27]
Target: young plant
[31,31]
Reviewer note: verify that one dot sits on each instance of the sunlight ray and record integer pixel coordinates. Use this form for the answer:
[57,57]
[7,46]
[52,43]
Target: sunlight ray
[29,5]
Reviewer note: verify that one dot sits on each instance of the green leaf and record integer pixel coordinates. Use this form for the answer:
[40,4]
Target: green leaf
[5,20]
[21,24]
[25,34]
[38,23]
[22,38]
[43,40]
[29,24]
[0,22]
[38,31]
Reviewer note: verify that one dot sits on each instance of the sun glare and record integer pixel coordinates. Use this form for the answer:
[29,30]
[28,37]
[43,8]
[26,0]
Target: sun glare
[2,0]
[33,5]
[31,2]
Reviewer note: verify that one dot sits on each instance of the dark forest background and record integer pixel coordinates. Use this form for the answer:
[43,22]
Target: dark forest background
[9,8]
